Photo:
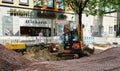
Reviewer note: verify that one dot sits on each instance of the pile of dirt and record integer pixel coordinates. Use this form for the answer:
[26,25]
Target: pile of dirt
[36,66]
[10,60]
[43,53]
[108,60]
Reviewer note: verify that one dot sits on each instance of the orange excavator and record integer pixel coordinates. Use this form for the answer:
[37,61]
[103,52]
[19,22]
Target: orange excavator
[72,45]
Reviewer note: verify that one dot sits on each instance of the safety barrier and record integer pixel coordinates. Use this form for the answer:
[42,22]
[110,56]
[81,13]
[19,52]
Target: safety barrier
[54,39]
[88,40]
[101,40]
[29,40]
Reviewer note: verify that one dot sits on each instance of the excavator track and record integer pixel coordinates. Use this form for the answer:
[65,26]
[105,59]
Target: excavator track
[65,56]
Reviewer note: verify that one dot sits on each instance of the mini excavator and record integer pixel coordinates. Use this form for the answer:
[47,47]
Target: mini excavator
[73,46]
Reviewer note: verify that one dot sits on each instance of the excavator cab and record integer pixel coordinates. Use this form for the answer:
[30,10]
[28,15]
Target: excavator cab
[72,45]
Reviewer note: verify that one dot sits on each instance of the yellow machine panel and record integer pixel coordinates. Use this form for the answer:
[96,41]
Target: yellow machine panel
[15,46]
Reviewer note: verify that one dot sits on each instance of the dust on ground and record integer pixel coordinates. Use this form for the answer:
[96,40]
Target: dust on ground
[107,60]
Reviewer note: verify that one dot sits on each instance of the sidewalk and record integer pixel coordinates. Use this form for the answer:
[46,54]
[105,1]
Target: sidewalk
[100,47]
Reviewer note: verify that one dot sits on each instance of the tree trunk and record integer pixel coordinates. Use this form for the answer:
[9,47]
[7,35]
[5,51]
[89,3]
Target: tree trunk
[80,27]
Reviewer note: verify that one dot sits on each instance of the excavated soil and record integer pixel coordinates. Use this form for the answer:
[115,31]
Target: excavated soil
[109,60]
[10,60]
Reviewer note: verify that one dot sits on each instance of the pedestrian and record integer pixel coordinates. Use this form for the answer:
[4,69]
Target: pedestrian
[40,34]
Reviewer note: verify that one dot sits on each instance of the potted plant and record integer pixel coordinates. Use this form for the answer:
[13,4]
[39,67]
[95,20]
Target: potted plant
[11,12]
[62,16]
[14,12]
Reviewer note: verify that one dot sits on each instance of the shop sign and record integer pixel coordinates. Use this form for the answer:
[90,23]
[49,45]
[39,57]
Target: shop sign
[36,21]
[19,12]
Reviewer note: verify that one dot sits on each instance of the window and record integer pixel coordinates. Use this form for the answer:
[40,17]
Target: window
[7,1]
[91,29]
[100,31]
[38,3]
[7,27]
[50,3]
[75,36]
[24,2]
[60,4]
[110,30]
[115,27]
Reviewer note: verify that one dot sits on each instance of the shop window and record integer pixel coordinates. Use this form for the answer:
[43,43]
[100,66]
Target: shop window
[110,30]
[34,31]
[60,4]
[115,27]
[91,29]
[50,3]
[7,1]
[101,28]
[24,2]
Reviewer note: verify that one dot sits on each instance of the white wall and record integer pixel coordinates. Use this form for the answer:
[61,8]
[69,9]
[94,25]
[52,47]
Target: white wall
[0,21]
[87,21]
[3,12]
[108,20]
[16,27]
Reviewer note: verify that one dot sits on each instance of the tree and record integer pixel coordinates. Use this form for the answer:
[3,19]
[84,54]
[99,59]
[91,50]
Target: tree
[91,7]
[38,2]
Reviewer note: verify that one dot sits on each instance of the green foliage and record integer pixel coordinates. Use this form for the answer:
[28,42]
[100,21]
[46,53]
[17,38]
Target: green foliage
[93,7]
[102,6]
[38,2]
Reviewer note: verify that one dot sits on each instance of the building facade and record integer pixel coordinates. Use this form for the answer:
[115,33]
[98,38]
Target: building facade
[29,18]
[11,12]
[108,25]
